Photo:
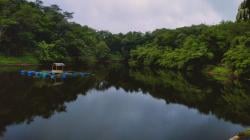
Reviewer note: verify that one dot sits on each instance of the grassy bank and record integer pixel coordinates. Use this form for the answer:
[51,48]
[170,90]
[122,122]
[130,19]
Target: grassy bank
[20,60]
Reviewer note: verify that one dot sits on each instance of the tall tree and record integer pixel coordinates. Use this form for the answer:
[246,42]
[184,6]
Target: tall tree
[244,11]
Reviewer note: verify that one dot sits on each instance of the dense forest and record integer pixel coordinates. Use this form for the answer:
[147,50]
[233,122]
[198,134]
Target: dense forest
[47,34]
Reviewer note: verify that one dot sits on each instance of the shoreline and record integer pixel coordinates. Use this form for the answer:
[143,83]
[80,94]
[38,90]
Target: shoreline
[20,64]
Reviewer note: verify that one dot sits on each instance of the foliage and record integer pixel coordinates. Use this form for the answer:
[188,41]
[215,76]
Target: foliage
[192,48]
[238,59]
[244,11]
[30,59]
[193,53]
[50,52]
[102,51]
[245,134]
[28,27]
[220,73]
[145,56]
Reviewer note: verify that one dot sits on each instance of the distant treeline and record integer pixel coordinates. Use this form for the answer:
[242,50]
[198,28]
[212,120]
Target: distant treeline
[30,28]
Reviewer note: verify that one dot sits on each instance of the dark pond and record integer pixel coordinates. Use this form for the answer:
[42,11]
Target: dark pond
[118,103]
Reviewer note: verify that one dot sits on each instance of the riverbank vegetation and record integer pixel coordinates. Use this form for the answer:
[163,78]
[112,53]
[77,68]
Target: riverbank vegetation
[49,34]
[26,59]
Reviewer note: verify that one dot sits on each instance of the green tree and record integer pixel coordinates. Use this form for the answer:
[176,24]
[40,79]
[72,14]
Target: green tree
[102,51]
[50,52]
[238,58]
[193,54]
[244,11]
[145,56]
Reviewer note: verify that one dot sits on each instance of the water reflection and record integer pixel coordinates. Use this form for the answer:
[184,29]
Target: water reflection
[120,103]
[114,114]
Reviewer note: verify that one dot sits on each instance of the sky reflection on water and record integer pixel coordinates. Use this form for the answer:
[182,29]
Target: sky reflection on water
[114,114]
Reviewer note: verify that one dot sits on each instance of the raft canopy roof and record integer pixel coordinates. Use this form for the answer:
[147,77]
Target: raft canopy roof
[59,64]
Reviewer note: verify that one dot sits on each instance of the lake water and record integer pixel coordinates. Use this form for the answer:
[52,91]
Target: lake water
[118,103]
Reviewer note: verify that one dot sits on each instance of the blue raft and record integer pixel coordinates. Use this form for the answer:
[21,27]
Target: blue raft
[51,75]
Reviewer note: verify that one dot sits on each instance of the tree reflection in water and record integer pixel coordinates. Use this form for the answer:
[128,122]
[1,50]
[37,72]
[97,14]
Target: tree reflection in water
[24,98]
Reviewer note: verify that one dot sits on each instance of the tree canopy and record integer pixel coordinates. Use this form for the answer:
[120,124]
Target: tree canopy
[30,28]
[244,11]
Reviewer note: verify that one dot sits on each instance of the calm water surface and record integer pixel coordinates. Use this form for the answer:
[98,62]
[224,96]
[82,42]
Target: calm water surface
[118,103]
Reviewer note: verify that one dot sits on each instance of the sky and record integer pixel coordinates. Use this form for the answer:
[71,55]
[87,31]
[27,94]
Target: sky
[147,15]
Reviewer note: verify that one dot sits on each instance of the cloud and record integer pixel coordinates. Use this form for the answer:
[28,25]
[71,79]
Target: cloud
[139,15]
[227,9]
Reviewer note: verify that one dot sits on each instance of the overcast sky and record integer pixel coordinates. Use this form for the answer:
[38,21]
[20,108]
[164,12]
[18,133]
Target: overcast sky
[147,15]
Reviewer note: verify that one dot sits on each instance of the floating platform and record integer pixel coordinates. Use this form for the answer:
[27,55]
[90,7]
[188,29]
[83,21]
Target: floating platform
[52,75]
